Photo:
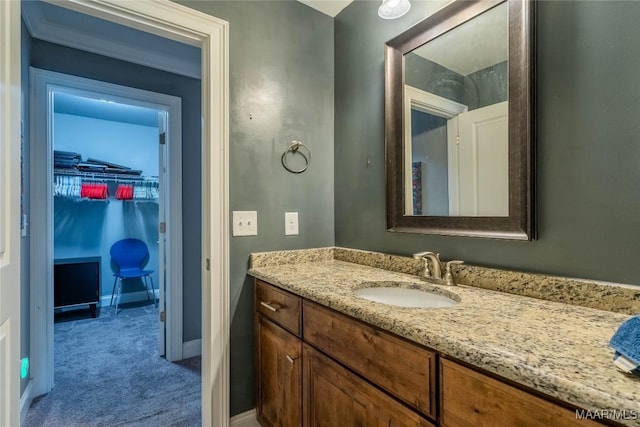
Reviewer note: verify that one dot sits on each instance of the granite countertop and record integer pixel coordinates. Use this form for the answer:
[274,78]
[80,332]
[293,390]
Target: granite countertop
[558,349]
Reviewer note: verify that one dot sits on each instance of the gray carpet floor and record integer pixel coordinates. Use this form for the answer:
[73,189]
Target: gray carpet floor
[108,372]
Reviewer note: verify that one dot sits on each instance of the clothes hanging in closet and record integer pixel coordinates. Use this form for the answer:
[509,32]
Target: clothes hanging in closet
[94,191]
[67,186]
[124,192]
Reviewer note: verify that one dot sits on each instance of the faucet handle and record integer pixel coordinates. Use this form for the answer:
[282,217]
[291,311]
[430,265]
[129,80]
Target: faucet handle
[448,276]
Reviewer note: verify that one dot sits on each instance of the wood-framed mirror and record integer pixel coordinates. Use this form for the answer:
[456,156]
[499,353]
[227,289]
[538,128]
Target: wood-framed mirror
[459,122]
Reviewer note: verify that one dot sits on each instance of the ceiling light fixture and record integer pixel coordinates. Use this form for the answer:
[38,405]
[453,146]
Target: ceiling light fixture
[392,9]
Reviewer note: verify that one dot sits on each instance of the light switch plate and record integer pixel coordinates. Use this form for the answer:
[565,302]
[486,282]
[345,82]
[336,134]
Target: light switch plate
[291,223]
[245,223]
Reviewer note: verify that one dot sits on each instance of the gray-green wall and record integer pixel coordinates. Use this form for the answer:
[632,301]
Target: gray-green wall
[281,89]
[433,78]
[588,133]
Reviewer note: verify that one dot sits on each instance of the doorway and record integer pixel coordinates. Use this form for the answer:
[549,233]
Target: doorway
[182,24]
[109,196]
[48,86]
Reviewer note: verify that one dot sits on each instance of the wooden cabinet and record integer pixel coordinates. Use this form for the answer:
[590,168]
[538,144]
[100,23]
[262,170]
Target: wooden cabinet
[472,399]
[278,358]
[403,369]
[319,368]
[334,396]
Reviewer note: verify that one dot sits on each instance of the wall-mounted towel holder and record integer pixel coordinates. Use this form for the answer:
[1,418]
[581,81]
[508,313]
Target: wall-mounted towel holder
[294,148]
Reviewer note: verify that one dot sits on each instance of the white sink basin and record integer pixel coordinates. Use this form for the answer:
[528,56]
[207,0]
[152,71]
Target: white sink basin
[406,297]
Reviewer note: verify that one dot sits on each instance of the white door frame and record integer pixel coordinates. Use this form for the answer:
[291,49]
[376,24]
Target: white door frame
[180,23]
[43,85]
[426,102]
[10,114]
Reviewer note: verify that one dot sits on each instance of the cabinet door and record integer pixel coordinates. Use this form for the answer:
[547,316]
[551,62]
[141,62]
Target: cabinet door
[279,375]
[333,396]
[471,399]
[401,368]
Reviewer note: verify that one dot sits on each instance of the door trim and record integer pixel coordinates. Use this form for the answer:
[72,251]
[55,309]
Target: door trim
[425,102]
[42,27]
[10,190]
[180,23]
[43,85]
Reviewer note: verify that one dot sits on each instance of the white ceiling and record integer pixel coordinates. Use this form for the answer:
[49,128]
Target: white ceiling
[328,7]
[65,103]
[475,45]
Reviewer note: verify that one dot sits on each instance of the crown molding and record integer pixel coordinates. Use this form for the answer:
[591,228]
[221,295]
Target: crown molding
[42,28]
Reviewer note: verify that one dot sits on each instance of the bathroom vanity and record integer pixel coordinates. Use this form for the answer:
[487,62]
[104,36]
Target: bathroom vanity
[327,357]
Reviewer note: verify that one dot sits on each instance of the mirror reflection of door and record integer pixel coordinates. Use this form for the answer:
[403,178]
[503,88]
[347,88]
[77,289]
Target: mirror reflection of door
[459,162]
[456,153]
[426,139]
[429,163]
[479,162]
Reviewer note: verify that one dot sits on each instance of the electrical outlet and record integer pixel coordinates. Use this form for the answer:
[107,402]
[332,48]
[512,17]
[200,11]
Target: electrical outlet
[245,223]
[291,223]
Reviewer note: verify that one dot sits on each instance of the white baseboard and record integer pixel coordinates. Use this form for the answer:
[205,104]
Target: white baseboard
[25,401]
[245,419]
[127,297]
[191,348]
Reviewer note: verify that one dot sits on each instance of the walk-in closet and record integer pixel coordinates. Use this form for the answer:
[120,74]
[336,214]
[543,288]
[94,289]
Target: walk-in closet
[105,209]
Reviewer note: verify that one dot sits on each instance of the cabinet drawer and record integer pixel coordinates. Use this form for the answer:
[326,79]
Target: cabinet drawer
[405,370]
[278,305]
[334,396]
[471,399]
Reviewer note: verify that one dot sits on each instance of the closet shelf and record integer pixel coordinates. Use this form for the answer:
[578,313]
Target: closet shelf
[116,177]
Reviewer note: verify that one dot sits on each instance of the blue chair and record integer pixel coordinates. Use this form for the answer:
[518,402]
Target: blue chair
[129,256]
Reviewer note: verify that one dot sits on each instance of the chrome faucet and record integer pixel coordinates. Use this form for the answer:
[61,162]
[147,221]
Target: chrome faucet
[433,268]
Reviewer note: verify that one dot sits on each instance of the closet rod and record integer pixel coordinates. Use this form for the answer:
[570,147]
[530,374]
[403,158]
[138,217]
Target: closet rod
[106,176]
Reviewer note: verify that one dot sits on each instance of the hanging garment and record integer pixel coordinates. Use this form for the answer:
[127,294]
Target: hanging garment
[85,189]
[67,186]
[147,190]
[94,191]
[124,192]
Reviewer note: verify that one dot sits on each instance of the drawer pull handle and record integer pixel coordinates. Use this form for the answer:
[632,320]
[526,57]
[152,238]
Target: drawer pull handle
[269,306]
[291,359]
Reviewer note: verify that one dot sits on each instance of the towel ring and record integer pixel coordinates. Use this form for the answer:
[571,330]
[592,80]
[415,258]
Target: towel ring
[294,147]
